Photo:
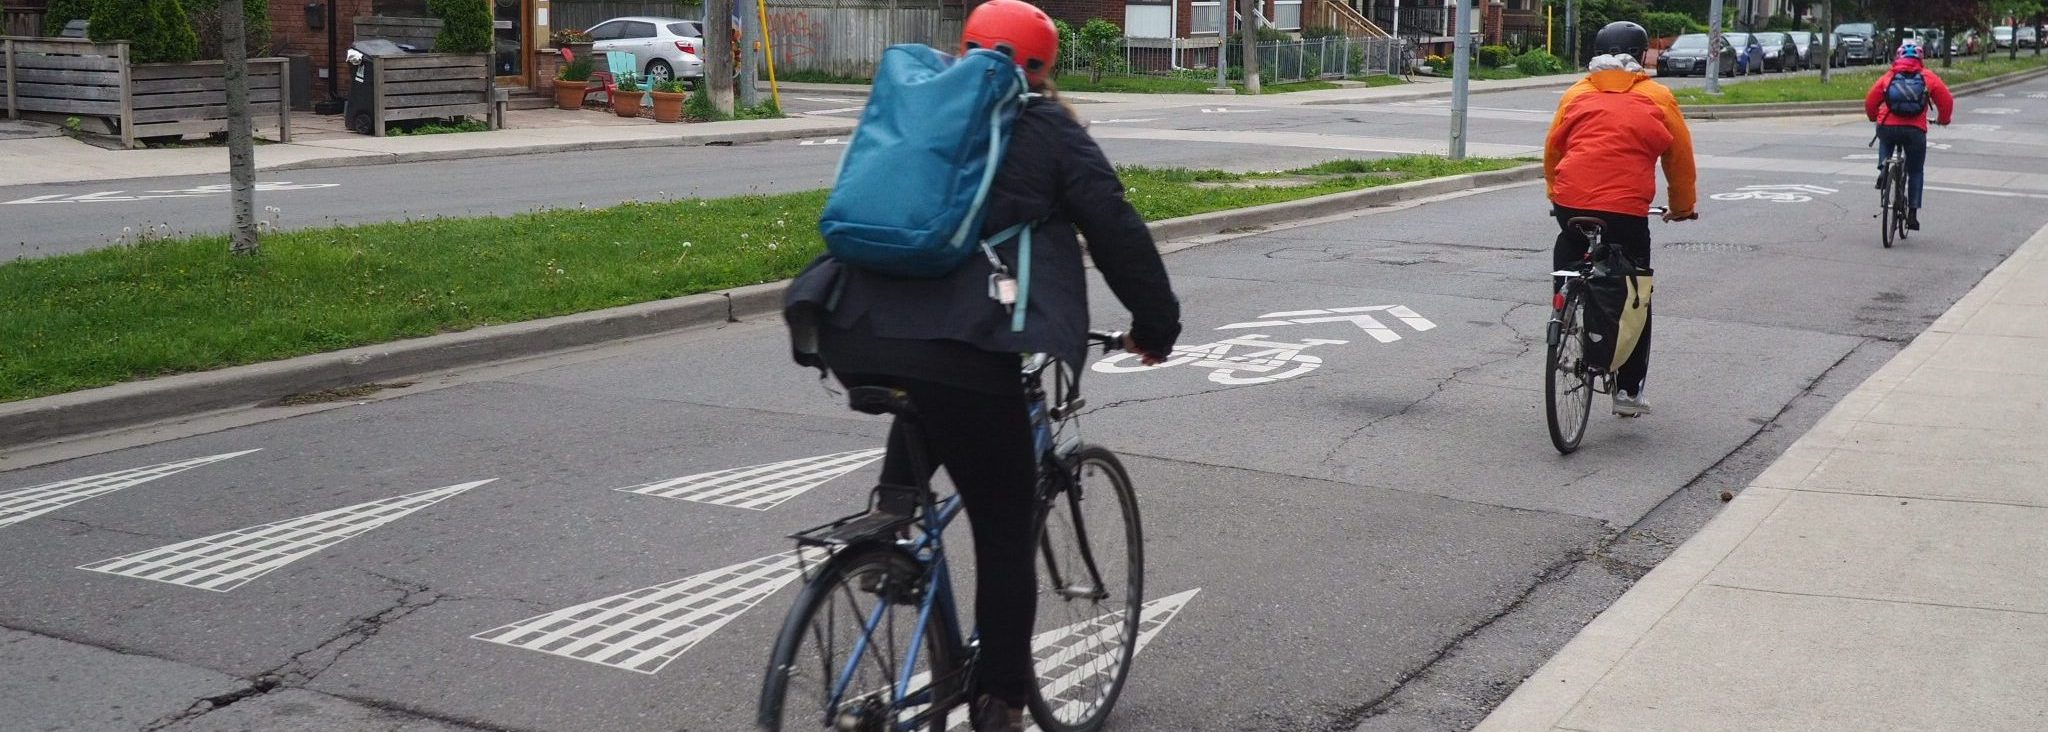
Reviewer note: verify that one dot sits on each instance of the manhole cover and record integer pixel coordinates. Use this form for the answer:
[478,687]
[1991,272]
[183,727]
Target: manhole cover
[1712,247]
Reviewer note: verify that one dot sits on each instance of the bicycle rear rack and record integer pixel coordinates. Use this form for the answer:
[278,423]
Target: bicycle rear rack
[892,509]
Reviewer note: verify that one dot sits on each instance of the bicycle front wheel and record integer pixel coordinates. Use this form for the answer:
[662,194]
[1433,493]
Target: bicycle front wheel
[840,660]
[1567,387]
[1090,587]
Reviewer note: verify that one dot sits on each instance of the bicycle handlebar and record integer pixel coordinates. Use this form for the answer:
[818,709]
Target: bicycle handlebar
[1109,340]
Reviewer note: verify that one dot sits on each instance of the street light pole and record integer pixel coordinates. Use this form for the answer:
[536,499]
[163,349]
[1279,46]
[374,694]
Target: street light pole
[1461,77]
[1827,46]
[1714,47]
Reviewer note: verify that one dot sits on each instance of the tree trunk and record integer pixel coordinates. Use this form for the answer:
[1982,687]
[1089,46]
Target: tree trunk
[241,145]
[718,68]
[1250,25]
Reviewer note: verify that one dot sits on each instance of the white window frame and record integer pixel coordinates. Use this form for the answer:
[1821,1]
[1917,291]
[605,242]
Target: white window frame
[1278,13]
[1199,13]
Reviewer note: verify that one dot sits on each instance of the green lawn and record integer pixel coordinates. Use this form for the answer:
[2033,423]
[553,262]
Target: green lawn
[170,306]
[1849,84]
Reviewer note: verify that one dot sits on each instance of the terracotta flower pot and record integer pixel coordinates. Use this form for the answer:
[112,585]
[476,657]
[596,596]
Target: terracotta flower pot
[668,106]
[626,103]
[569,94]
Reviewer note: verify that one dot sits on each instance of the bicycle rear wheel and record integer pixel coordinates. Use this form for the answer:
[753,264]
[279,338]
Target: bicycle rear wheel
[841,651]
[1902,202]
[1567,387]
[1888,216]
[1091,583]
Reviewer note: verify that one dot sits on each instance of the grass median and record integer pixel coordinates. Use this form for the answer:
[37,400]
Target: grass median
[179,305]
[1850,84]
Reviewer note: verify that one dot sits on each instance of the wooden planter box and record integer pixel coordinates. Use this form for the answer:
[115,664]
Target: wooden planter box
[430,86]
[76,78]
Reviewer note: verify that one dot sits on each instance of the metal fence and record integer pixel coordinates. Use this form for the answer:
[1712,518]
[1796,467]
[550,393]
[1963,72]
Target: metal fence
[1279,61]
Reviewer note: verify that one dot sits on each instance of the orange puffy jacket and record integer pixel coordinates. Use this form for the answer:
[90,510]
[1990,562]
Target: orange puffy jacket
[1611,128]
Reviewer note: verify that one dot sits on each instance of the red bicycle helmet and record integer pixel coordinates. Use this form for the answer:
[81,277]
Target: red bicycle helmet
[1016,29]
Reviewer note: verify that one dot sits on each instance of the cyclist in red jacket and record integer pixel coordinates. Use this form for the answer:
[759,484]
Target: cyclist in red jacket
[1899,104]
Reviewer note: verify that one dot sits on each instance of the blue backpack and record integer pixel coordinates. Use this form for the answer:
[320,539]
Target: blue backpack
[910,193]
[1906,96]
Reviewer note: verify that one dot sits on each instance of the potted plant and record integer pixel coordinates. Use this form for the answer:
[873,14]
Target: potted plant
[571,83]
[626,96]
[668,101]
[576,41]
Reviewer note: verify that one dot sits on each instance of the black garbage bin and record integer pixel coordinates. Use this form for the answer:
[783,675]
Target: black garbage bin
[362,90]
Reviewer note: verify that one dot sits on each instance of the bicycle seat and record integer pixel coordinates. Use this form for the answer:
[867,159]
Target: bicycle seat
[1588,224]
[880,400]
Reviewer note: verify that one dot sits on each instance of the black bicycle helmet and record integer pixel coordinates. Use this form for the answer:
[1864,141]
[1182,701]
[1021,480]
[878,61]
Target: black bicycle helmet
[1622,36]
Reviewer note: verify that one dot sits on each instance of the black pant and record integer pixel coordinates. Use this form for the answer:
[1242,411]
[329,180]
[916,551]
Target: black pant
[1914,140]
[984,442]
[1630,234]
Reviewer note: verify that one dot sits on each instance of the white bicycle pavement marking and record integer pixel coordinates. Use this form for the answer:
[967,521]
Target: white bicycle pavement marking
[759,487]
[1794,193]
[26,503]
[223,562]
[646,629]
[1360,316]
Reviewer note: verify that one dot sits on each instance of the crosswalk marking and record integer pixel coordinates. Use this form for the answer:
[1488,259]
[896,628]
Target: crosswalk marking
[223,562]
[644,630]
[759,487]
[1090,634]
[26,503]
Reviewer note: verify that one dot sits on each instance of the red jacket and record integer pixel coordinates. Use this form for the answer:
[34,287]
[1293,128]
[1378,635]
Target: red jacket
[1937,94]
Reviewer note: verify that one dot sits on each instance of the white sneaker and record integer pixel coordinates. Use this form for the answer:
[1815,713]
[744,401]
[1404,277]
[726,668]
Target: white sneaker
[1629,406]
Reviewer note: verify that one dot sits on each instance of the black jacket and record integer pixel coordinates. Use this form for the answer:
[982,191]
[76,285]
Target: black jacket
[1054,172]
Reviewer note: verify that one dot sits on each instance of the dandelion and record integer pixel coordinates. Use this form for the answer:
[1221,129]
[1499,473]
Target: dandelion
[686,245]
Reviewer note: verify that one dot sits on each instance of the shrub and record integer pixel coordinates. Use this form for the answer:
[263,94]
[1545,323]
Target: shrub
[580,70]
[1437,62]
[1321,32]
[1539,62]
[1269,34]
[157,30]
[1494,57]
[60,12]
[1666,25]
[1101,44]
[255,27]
[1070,44]
[465,25]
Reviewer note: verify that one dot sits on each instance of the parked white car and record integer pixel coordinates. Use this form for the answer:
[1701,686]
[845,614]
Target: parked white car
[662,48]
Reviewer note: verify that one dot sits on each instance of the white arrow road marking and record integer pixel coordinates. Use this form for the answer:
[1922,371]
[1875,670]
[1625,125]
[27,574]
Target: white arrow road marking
[223,562]
[1356,315]
[643,630]
[759,487]
[26,503]
[1152,618]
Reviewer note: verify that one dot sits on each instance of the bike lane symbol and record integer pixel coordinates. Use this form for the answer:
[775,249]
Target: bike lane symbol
[1265,361]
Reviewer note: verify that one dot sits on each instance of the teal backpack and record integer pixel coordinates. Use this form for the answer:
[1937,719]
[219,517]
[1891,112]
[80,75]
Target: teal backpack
[911,192]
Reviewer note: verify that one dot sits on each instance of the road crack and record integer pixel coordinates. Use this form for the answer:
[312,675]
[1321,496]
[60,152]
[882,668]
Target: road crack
[1441,385]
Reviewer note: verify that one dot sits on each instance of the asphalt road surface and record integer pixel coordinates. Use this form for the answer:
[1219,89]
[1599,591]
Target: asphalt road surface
[1385,541]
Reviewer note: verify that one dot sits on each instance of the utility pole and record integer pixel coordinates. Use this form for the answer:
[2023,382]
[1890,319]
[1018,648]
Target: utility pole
[1249,24]
[1461,77]
[750,54]
[718,69]
[241,145]
[1714,50]
[1222,50]
[1571,33]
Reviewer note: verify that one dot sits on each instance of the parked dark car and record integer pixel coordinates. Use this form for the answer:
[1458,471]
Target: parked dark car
[1808,45]
[1780,52]
[1859,42]
[1688,57]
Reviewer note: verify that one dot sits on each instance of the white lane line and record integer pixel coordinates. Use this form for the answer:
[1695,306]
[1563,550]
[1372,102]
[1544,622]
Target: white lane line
[26,503]
[759,487]
[645,629]
[1313,140]
[223,562]
[839,110]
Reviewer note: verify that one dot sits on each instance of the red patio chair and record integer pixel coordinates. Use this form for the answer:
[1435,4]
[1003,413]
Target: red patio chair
[601,82]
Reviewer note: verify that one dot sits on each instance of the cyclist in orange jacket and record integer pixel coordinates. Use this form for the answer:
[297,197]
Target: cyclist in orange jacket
[1601,160]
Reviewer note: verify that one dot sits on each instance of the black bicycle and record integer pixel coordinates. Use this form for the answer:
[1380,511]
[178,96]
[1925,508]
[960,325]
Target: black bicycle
[1570,379]
[1892,197]
[873,644]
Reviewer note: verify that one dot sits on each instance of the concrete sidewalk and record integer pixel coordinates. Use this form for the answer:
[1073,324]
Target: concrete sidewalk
[1888,572]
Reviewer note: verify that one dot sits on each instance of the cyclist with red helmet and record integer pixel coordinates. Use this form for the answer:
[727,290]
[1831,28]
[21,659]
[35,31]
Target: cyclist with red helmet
[952,347]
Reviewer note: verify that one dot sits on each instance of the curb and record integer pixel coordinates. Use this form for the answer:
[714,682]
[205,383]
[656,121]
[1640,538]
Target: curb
[361,158]
[140,402]
[1544,699]
[1801,109]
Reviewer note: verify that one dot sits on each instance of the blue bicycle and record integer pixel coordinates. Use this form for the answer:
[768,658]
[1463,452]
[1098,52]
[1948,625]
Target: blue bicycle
[873,643]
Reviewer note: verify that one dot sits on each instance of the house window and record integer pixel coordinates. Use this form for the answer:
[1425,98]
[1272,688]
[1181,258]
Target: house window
[1287,15]
[1202,18]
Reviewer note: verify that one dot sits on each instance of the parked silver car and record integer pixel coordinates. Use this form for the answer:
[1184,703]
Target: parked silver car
[662,48]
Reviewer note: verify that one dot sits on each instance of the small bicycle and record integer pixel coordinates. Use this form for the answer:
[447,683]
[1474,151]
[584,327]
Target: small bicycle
[1570,379]
[1893,201]
[872,644]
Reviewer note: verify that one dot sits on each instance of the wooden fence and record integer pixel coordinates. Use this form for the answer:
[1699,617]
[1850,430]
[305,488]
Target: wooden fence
[78,78]
[846,37]
[429,86]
